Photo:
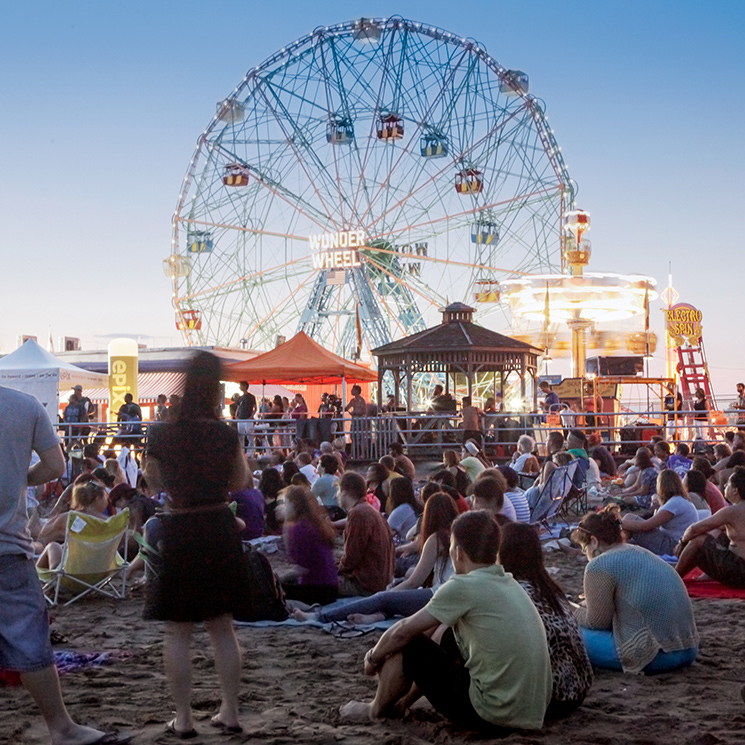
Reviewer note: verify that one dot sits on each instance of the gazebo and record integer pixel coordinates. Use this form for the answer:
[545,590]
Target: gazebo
[457,345]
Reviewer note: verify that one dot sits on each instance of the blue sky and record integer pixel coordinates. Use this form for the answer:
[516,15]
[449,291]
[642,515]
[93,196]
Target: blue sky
[102,104]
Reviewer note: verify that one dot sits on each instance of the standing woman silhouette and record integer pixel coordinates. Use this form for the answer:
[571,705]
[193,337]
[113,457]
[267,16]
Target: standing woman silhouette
[197,460]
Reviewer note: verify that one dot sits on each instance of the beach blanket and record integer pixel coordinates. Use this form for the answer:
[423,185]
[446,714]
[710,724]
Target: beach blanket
[67,662]
[709,588]
[340,629]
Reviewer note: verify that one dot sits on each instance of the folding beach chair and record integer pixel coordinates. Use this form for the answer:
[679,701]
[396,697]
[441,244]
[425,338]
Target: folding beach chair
[91,562]
[576,501]
[553,494]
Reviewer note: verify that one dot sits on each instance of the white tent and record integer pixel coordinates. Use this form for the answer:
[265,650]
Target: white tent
[33,370]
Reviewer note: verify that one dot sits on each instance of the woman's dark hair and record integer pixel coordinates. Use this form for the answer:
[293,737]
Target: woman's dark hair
[305,507]
[356,390]
[604,459]
[402,492]
[289,469]
[450,458]
[91,450]
[604,525]
[477,534]
[329,464]
[201,389]
[439,513]
[696,482]
[510,476]
[700,463]
[122,491]
[142,506]
[520,554]
[380,473]
[736,459]
[106,477]
[430,488]
[443,476]
[271,484]
[300,479]
[643,459]
[722,450]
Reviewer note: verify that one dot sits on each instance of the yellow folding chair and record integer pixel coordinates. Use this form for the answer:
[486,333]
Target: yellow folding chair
[91,562]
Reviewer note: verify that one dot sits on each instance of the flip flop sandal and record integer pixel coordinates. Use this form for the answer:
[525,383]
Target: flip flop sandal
[111,738]
[346,630]
[226,729]
[187,735]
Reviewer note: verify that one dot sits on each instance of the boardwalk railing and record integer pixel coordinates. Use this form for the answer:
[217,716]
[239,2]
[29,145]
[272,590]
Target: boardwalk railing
[427,435]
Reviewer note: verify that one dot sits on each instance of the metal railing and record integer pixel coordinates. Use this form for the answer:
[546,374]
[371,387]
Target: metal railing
[427,435]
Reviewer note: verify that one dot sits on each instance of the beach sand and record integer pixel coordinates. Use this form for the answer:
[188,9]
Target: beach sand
[295,679]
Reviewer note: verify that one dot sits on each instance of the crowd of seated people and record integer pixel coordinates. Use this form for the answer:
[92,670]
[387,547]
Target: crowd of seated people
[390,545]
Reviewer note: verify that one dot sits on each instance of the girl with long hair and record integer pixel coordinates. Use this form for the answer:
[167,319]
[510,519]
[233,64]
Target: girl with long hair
[403,508]
[433,569]
[270,485]
[377,483]
[661,532]
[639,494]
[601,455]
[309,537]
[520,554]
[451,462]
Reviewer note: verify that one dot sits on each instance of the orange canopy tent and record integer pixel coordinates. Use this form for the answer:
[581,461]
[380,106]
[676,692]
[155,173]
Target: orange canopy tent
[299,360]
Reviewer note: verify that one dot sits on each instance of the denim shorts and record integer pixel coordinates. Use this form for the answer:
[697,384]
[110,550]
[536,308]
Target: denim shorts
[24,624]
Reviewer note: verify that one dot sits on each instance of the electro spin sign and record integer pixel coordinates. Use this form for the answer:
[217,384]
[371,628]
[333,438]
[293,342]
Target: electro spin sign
[336,250]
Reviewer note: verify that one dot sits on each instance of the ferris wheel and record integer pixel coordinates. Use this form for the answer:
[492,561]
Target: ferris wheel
[357,181]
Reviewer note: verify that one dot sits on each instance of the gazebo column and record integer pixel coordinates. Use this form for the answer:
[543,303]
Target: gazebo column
[409,384]
[535,389]
[523,369]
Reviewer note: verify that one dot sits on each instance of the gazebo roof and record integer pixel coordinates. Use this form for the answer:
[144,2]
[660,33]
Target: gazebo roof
[455,334]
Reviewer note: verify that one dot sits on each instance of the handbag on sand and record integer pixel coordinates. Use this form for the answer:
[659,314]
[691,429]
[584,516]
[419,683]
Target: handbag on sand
[266,598]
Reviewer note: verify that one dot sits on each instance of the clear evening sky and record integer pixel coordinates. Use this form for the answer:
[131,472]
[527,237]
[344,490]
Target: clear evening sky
[102,103]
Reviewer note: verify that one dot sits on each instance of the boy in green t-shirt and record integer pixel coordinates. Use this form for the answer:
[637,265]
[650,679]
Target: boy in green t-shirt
[490,667]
